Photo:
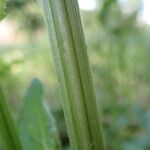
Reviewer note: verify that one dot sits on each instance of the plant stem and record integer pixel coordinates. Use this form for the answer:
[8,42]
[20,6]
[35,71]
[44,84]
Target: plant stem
[7,128]
[70,56]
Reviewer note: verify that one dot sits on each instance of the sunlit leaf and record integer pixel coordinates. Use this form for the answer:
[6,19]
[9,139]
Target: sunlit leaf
[37,126]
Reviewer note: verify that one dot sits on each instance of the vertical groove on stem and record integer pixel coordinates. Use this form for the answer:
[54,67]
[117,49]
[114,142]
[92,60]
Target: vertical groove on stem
[70,56]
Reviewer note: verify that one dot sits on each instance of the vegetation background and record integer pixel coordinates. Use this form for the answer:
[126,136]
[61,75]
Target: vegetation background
[118,49]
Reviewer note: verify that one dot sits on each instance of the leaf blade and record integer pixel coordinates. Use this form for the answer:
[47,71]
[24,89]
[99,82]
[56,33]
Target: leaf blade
[8,132]
[37,126]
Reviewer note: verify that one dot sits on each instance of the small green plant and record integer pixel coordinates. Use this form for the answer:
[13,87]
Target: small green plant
[36,125]
[70,56]
[83,119]
[37,129]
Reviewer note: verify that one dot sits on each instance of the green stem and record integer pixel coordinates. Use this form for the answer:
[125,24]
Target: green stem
[7,127]
[70,56]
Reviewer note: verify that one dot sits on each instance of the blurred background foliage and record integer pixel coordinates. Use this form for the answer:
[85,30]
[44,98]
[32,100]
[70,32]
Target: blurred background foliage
[118,49]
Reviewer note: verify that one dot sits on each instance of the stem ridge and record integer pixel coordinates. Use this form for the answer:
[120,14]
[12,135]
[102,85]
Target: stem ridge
[73,71]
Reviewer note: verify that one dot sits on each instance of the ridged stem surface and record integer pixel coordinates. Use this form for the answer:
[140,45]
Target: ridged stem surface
[70,56]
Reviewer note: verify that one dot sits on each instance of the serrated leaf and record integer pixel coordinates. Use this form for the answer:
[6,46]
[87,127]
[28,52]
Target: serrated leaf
[8,135]
[36,125]
[2,9]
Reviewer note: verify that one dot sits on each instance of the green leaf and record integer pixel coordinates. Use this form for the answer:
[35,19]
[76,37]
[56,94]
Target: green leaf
[8,135]
[2,9]
[69,51]
[36,124]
